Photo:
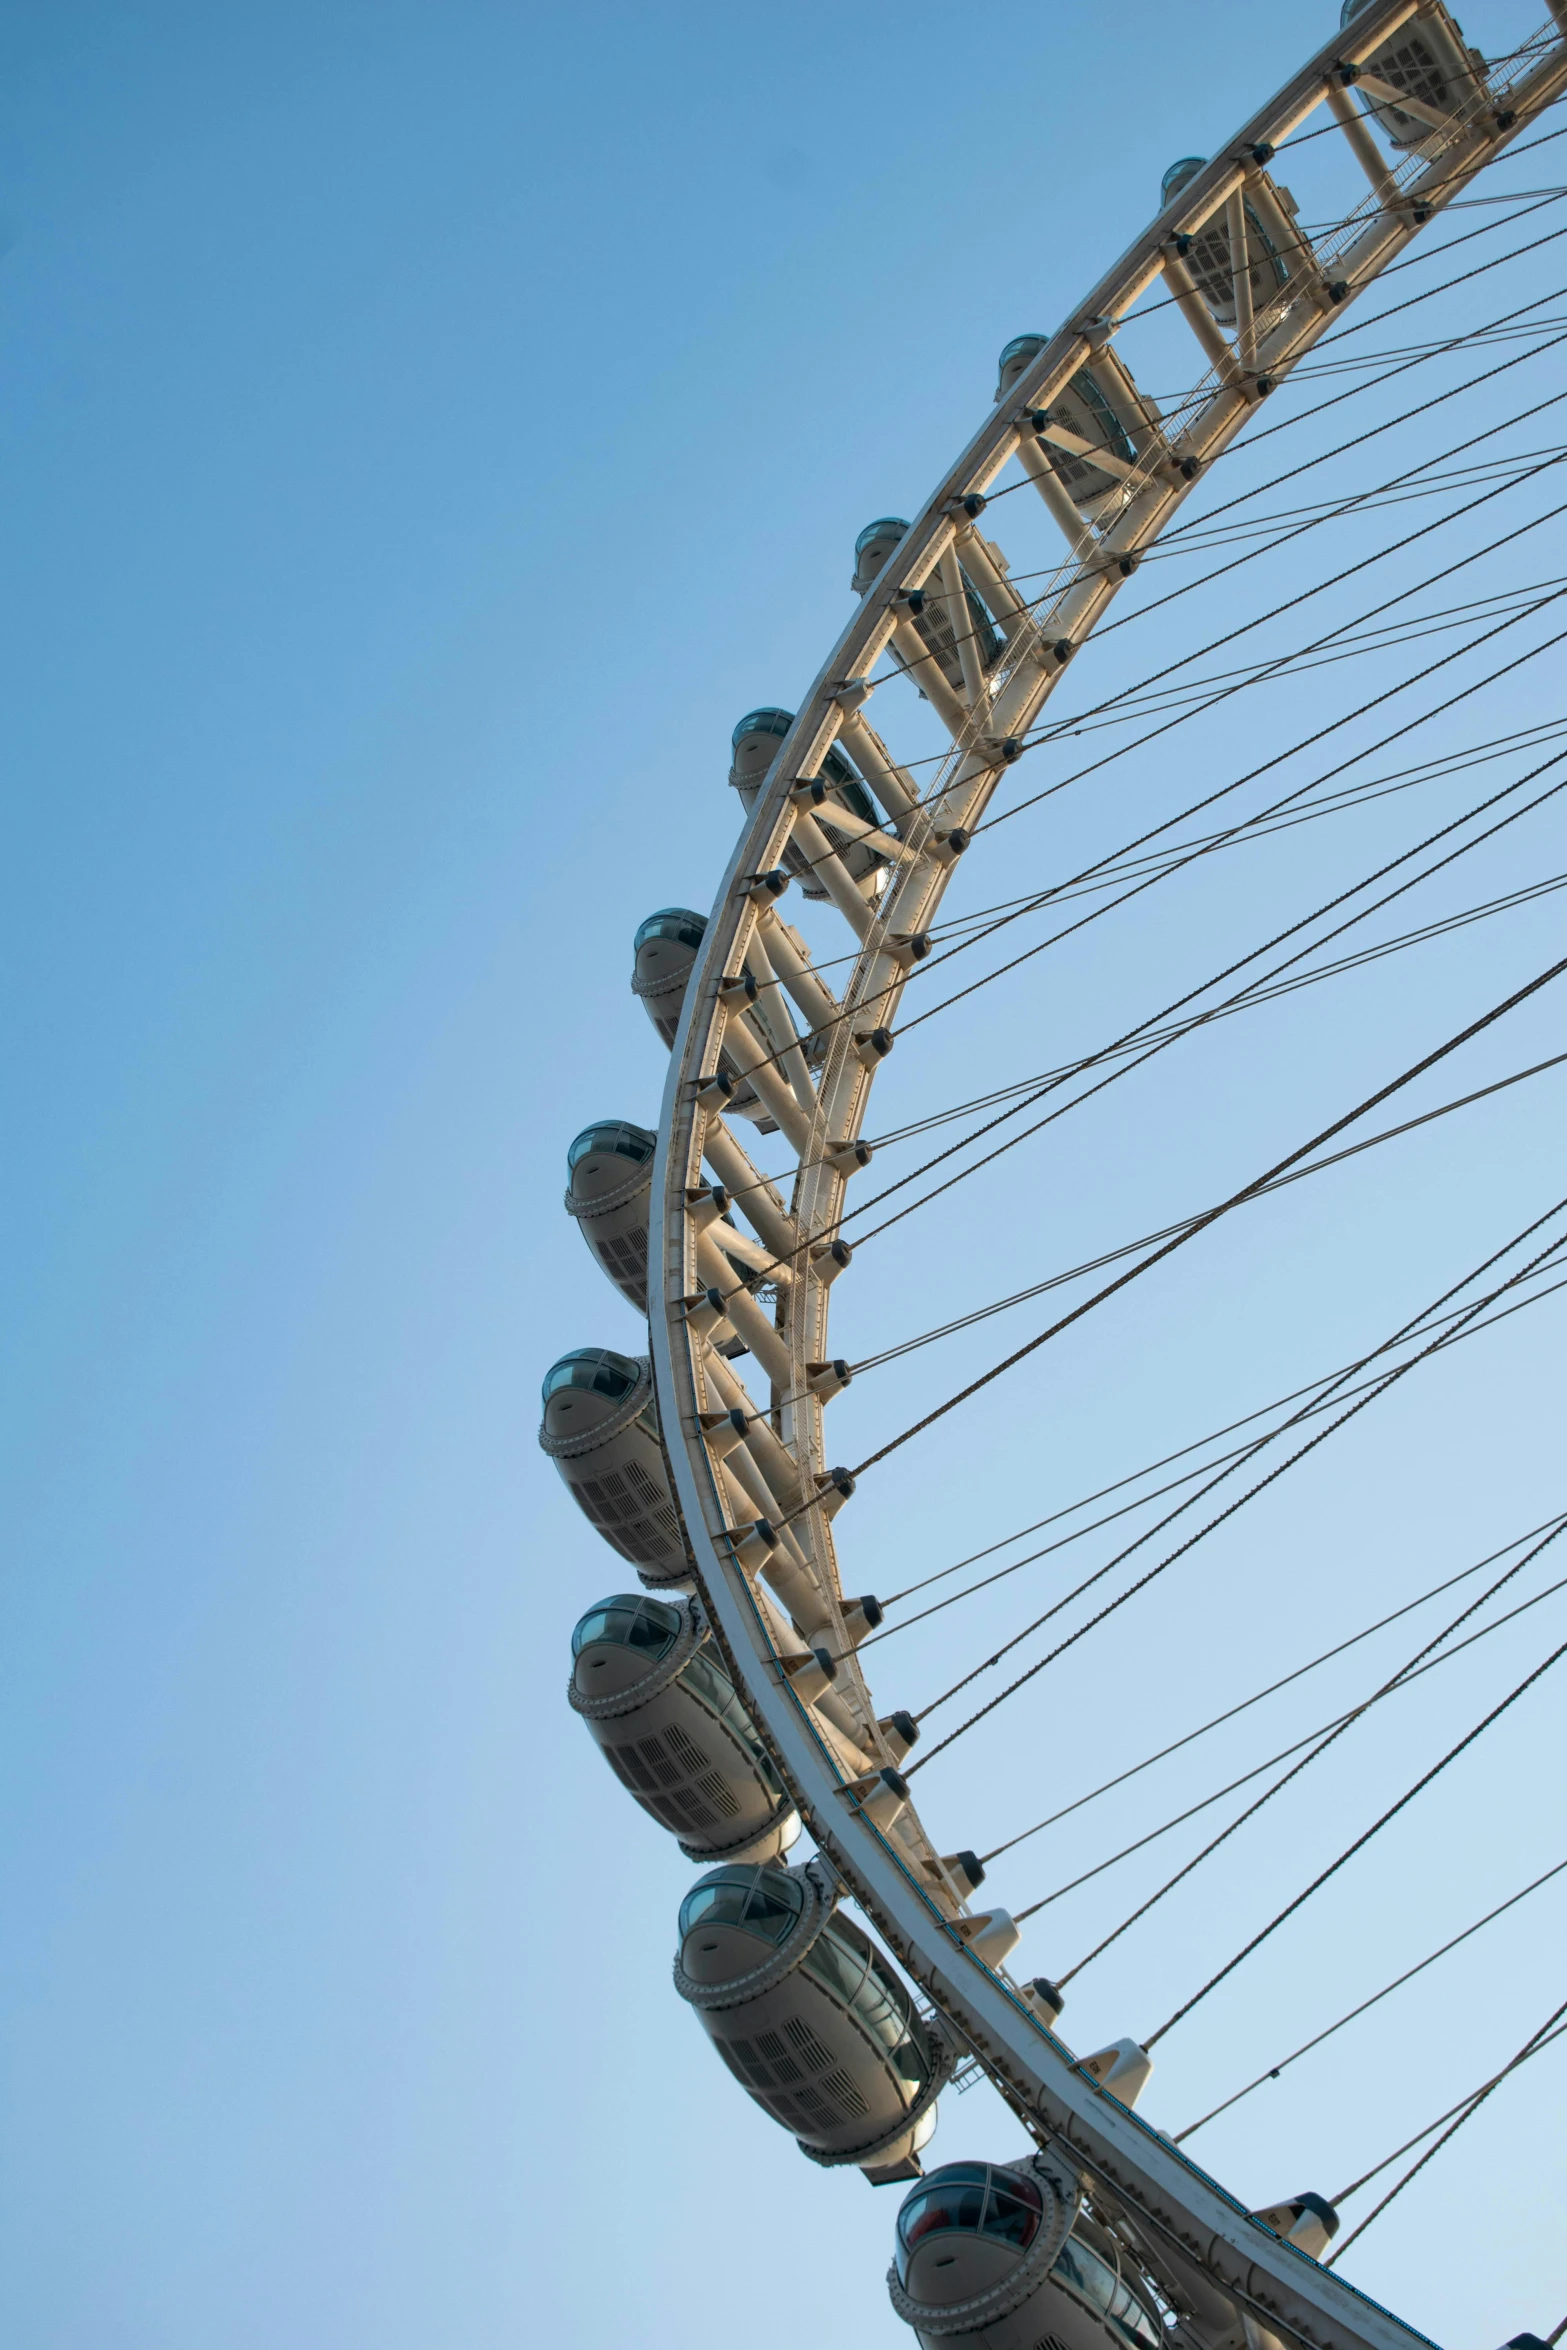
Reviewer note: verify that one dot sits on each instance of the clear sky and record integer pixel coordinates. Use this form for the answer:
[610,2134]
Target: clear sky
[426,431]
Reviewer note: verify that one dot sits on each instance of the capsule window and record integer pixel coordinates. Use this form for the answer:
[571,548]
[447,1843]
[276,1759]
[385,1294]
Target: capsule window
[1016,358]
[677,922]
[975,2198]
[838,1965]
[706,1679]
[614,1137]
[597,1368]
[891,527]
[764,1901]
[650,1625]
[1114,432]
[955,2199]
[1180,175]
[777,722]
[856,799]
[1097,2283]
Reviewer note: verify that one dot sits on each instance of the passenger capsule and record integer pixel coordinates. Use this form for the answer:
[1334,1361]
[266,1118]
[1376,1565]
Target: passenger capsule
[663,952]
[609,1183]
[755,746]
[874,548]
[1423,59]
[810,2018]
[1081,409]
[1004,2256]
[927,609]
[656,1695]
[1208,254]
[601,1430]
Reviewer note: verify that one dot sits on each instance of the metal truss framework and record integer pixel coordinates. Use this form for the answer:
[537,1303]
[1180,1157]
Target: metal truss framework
[759,1504]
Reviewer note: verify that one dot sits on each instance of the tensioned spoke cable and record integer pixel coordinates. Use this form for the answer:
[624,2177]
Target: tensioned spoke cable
[1326,1732]
[1051,731]
[1168,539]
[1334,510]
[1527,202]
[1172,542]
[1062,575]
[1357,645]
[1128,849]
[1361,1841]
[1342,332]
[1128,1248]
[1175,541]
[1345,802]
[1240,1452]
[1273,2072]
[1179,857]
[1168,1248]
[1323,1742]
[1304,415]
[1531,2047]
[1258,1696]
[1165,872]
[1326,1383]
[1143,1043]
[1134,1049]
[1470,442]
[1315,370]
[1424,935]
[1154,734]
[1372,1392]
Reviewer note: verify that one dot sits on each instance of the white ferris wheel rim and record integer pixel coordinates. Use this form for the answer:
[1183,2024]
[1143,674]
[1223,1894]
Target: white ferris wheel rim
[878,1850]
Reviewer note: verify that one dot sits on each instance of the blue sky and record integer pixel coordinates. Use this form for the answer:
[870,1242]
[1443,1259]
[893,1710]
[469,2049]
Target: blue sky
[427,430]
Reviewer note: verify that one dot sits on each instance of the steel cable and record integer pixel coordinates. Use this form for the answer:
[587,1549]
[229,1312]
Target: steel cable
[1238,1453]
[1326,1732]
[1345,802]
[1117,1048]
[1259,1696]
[1359,1844]
[1373,1391]
[1128,1248]
[1471,2105]
[1273,2072]
[1145,1264]
[1363,957]
[1361,619]
[1324,1740]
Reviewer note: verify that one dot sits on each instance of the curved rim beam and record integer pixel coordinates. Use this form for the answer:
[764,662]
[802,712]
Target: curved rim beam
[826,1739]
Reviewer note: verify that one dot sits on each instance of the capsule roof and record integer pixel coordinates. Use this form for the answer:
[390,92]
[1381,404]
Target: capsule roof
[970,2198]
[676,922]
[628,1621]
[890,526]
[1349,9]
[597,1368]
[614,1137]
[1015,357]
[759,1900]
[1180,175]
[761,722]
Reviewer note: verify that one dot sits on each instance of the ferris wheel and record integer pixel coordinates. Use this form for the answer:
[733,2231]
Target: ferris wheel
[732,1693]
